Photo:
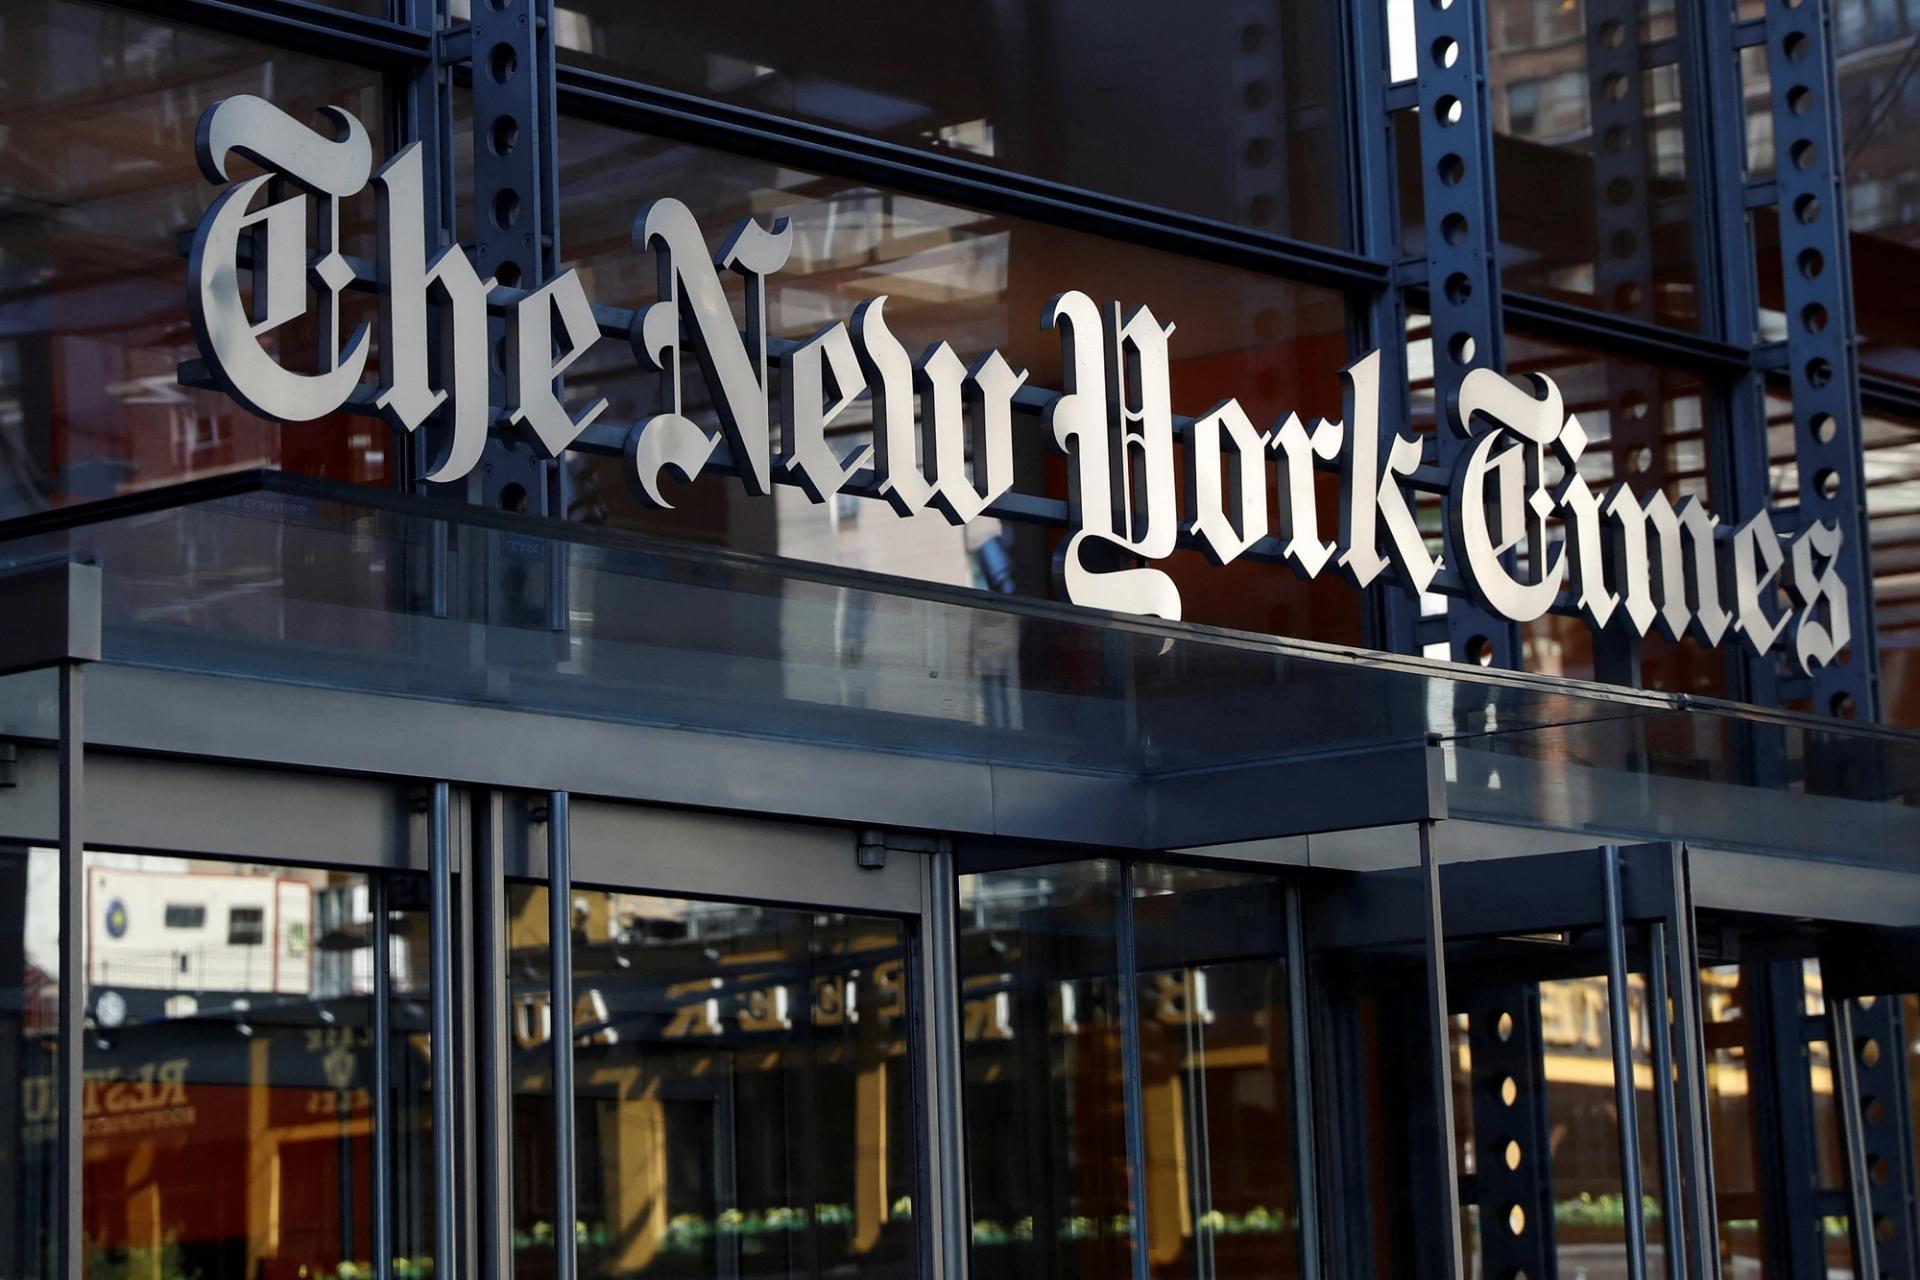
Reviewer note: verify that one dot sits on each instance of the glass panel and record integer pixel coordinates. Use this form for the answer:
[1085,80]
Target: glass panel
[1880,143]
[229,1118]
[1892,462]
[1225,111]
[1589,158]
[1046,1135]
[307,584]
[1581,1115]
[744,1099]
[29,1039]
[97,178]
[976,280]
[1215,1098]
[1646,424]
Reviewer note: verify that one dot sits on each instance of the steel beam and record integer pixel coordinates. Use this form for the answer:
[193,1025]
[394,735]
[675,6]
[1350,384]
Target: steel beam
[1673,1225]
[1463,270]
[516,215]
[941,1204]
[490,1039]
[566,1209]
[442,1049]
[1822,368]
[69,1147]
[1443,1217]
[1625,1096]
[1306,1148]
[380,939]
[1128,978]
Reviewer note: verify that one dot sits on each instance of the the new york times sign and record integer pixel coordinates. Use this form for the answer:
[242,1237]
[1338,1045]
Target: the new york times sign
[942,432]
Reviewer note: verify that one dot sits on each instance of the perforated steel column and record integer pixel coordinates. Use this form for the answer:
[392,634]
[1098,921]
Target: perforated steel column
[1869,1061]
[1463,275]
[516,233]
[1820,331]
[1623,275]
[1513,1146]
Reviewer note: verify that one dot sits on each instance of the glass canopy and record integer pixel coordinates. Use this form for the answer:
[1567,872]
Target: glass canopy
[269,577]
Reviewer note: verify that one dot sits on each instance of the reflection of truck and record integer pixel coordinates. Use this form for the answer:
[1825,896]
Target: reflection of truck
[198,932]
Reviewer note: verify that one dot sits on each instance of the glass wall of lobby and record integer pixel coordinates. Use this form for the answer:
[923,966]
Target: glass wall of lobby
[1159,1067]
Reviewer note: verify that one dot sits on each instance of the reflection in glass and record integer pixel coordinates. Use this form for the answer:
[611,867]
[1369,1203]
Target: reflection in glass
[980,282]
[1880,150]
[230,1063]
[1582,1120]
[1214,1046]
[743,1096]
[1646,425]
[1589,156]
[97,178]
[29,1026]
[1221,111]
[1045,1107]
[1892,471]
[1045,1057]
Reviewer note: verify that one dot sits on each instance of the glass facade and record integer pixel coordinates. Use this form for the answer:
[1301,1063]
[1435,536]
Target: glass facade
[527,878]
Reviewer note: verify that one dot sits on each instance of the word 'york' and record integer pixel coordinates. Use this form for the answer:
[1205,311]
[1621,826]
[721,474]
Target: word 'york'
[942,430]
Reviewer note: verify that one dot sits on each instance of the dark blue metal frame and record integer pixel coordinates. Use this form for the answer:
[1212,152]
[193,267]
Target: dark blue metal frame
[1458,284]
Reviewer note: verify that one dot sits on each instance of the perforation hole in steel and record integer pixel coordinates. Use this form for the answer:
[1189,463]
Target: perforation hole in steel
[502,63]
[503,135]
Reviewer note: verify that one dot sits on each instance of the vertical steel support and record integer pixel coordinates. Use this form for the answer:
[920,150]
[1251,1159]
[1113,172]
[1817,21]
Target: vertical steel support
[1463,274]
[1516,1058]
[566,1213]
[1714,126]
[1869,1062]
[1820,333]
[1623,276]
[1446,1196]
[1862,1221]
[380,938]
[424,114]
[941,1205]
[1374,224]
[1306,1172]
[443,1052]
[1782,1085]
[1623,214]
[1696,1154]
[515,213]
[467,1120]
[1672,1221]
[1135,1119]
[1625,1096]
[492,1048]
[69,1215]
